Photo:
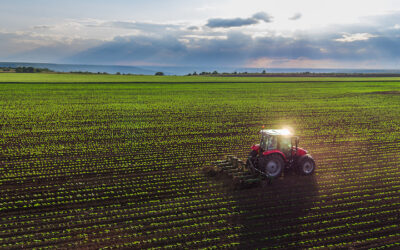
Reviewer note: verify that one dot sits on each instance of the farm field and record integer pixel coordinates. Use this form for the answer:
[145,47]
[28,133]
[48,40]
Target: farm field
[93,161]
[101,78]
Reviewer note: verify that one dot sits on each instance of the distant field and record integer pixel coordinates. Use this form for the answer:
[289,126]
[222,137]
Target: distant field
[117,164]
[100,78]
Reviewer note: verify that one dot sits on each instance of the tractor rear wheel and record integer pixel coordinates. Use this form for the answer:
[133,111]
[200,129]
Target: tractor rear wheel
[272,165]
[306,165]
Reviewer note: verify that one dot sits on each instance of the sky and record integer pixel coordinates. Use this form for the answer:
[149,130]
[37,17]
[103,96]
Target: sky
[228,33]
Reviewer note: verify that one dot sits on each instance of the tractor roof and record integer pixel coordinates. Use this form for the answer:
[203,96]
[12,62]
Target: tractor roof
[284,132]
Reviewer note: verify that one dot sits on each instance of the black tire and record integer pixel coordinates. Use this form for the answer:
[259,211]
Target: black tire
[272,165]
[306,165]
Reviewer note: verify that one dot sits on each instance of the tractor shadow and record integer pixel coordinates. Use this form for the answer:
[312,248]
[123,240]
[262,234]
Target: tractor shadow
[271,215]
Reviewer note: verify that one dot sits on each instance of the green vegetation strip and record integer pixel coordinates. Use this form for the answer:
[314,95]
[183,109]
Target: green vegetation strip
[102,78]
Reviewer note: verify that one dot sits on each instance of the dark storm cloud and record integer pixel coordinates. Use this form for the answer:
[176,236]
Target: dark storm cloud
[236,49]
[382,47]
[167,50]
[238,22]
[138,48]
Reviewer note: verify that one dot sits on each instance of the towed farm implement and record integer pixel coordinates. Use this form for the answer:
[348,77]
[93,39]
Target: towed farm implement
[278,151]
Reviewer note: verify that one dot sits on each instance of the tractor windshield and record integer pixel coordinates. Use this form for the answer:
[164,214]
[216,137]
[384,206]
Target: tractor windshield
[268,142]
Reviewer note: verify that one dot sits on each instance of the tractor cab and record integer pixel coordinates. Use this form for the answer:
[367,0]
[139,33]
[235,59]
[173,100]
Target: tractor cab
[279,139]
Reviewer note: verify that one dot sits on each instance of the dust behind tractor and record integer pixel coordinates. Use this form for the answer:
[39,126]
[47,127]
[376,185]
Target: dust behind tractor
[278,151]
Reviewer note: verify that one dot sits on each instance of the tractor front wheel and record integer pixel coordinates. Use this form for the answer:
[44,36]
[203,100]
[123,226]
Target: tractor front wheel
[272,165]
[306,165]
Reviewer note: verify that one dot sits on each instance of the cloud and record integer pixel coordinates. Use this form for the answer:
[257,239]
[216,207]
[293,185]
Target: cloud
[263,17]
[383,20]
[42,27]
[396,26]
[168,49]
[26,46]
[145,43]
[9,44]
[238,22]
[266,62]
[348,38]
[193,28]
[108,27]
[128,50]
[296,16]
[140,25]
[228,23]
[237,48]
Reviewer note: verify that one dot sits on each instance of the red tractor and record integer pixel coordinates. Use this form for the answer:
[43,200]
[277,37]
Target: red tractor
[278,150]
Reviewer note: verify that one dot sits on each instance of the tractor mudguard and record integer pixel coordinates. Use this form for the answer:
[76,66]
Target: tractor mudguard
[255,147]
[301,152]
[305,156]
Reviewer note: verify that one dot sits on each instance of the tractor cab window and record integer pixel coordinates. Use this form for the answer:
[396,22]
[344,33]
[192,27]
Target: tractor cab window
[285,145]
[272,143]
[268,142]
[264,141]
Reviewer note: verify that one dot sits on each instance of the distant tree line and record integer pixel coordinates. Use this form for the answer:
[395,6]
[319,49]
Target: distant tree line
[91,73]
[24,69]
[6,69]
[31,70]
[294,74]
[216,73]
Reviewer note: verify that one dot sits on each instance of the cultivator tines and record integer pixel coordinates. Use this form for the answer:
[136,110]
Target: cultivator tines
[236,170]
